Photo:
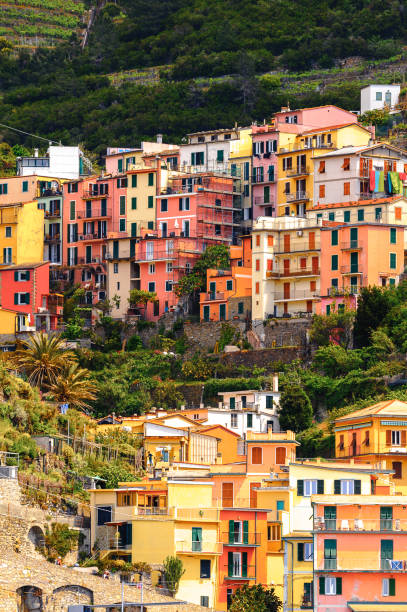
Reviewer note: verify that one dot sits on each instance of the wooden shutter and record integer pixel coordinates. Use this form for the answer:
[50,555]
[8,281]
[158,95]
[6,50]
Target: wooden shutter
[337,487]
[320,487]
[403,437]
[27,298]
[321,585]
[339,586]
[245,532]
[300,551]
[227,494]
[358,487]
[300,487]
[392,586]
[16,275]
[27,275]
[230,564]
[388,437]
[244,564]
[16,298]
[231,532]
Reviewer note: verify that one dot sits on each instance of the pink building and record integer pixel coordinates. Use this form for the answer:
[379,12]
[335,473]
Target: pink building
[264,177]
[94,209]
[316,117]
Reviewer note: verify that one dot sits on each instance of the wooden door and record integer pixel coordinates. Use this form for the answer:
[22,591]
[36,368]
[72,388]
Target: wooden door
[286,267]
[286,291]
[287,243]
[227,494]
[253,493]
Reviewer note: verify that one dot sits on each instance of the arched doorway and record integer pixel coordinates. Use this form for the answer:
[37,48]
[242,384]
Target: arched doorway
[30,599]
[36,536]
[68,594]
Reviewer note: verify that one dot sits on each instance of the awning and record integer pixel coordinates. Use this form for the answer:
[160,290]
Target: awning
[369,606]
[115,523]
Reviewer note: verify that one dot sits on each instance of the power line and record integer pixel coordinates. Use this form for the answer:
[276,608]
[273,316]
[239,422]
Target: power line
[29,134]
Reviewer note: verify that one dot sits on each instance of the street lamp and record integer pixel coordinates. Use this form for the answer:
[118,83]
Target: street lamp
[139,585]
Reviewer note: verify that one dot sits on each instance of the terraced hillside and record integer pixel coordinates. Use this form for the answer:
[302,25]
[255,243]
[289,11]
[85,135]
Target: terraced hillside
[40,23]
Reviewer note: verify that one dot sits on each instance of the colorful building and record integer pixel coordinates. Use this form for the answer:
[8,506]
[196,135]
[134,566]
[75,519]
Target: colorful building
[376,433]
[229,292]
[358,255]
[265,146]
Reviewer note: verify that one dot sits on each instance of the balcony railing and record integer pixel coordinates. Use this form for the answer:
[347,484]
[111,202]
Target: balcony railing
[360,564]
[304,147]
[237,572]
[212,296]
[240,406]
[151,511]
[296,294]
[155,256]
[49,214]
[348,290]
[293,272]
[354,450]
[299,171]
[298,196]
[297,246]
[350,269]
[87,195]
[243,539]
[89,237]
[352,245]
[261,202]
[265,178]
[95,213]
[203,548]
[52,238]
[359,524]
[117,544]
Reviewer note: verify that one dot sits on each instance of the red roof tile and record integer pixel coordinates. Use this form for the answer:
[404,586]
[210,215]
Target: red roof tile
[357,203]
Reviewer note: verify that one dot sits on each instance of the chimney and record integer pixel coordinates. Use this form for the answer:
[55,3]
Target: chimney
[159,138]
[275,383]
[35,152]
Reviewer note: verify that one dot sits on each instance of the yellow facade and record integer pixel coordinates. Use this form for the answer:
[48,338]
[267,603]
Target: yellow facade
[297,156]
[25,236]
[140,201]
[7,321]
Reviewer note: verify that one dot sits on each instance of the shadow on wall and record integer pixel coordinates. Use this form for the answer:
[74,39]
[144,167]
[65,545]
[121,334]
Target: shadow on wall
[29,599]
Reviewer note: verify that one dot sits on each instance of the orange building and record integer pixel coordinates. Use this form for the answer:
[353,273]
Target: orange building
[228,442]
[228,292]
[357,255]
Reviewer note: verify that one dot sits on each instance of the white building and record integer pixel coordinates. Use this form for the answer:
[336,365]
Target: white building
[59,162]
[374,97]
[208,151]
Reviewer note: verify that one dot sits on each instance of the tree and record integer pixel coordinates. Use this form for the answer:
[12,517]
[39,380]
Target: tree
[113,474]
[138,296]
[215,256]
[257,597]
[59,540]
[73,386]
[42,358]
[295,408]
[373,305]
[334,360]
[173,572]
[335,327]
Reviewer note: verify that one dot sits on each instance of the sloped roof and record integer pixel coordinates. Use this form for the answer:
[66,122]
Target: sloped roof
[387,408]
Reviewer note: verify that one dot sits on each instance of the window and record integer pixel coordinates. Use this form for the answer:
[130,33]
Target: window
[133,234]
[310,487]
[8,232]
[115,268]
[150,202]
[3,189]
[229,597]
[72,210]
[393,261]
[240,308]
[334,262]
[164,205]
[330,555]
[183,204]
[21,298]
[378,213]
[104,514]
[151,179]
[393,235]
[322,191]
[388,587]
[205,598]
[397,467]
[257,455]
[330,585]
[219,155]
[25,186]
[168,267]
[22,275]
[237,564]
[361,215]
[305,551]
[346,189]
[121,182]
[133,203]
[238,532]
[347,487]
[151,287]
[397,211]
[168,285]
[331,216]
[379,96]
[386,553]
[321,167]
[334,238]
[257,288]
[249,421]
[196,539]
[122,225]
[134,180]
[198,158]
[229,285]
[233,420]
[151,268]
[395,438]
[7,255]
[122,205]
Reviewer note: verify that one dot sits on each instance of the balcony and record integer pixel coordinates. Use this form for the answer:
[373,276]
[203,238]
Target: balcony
[213,296]
[298,196]
[350,269]
[198,548]
[360,564]
[88,195]
[352,245]
[237,572]
[306,147]
[261,202]
[354,450]
[210,515]
[293,272]
[297,246]
[97,213]
[155,256]
[151,511]
[52,214]
[352,524]
[52,238]
[242,540]
[299,171]
[348,290]
[91,237]
[251,406]
[296,295]
[259,180]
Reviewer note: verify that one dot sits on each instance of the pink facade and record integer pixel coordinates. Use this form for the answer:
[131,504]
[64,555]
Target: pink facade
[93,209]
[317,117]
[264,179]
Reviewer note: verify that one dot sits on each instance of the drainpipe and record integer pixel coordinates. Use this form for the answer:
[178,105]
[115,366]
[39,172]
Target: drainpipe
[255,548]
[292,573]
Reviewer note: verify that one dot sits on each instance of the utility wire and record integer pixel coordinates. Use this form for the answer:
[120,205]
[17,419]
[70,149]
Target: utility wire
[29,134]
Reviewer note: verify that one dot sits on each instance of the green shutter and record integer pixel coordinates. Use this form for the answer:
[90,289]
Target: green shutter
[361,215]
[150,201]
[27,298]
[321,585]
[392,586]
[300,487]
[300,551]
[120,165]
[353,237]
[150,179]
[330,549]
[245,532]
[337,487]
[27,275]
[132,248]
[334,262]
[134,230]
[122,205]
[16,275]
[393,261]
[393,235]
[16,298]
[25,186]
[244,564]
[134,180]
[331,216]
[230,563]
[231,532]
[334,237]
[133,203]
[266,192]
[358,487]
[320,487]
[339,586]
[346,216]
[115,249]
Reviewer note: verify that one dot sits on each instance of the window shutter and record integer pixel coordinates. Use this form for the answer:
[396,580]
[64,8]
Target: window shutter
[358,487]
[231,531]
[230,561]
[244,564]
[27,278]
[16,275]
[339,586]
[388,437]
[321,585]
[403,437]
[134,203]
[187,203]
[27,298]
[68,238]
[320,487]
[337,487]
[76,255]
[16,298]
[180,203]
[300,551]
[245,532]
[300,487]
[134,180]
[392,586]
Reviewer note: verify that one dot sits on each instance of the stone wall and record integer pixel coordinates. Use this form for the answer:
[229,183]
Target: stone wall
[204,335]
[287,332]
[263,358]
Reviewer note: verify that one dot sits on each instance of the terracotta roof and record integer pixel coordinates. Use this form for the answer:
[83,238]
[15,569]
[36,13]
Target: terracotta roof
[335,127]
[206,428]
[387,408]
[358,203]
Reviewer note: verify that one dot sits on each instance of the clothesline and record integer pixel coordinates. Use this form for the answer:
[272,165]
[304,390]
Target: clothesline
[389,182]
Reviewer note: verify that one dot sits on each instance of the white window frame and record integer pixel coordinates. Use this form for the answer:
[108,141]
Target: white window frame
[234,420]
[237,562]
[330,585]
[21,275]
[151,268]
[20,293]
[71,256]
[347,487]
[168,286]
[395,437]
[310,487]
[169,267]
[239,539]
[385,587]
[308,551]
[185,203]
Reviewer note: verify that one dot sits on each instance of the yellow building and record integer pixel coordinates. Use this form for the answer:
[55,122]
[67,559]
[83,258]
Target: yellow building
[8,321]
[141,202]
[21,234]
[240,161]
[285,266]
[150,521]
[376,433]
[298,157]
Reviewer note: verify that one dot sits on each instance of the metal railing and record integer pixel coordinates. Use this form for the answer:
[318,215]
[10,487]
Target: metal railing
[212,296]
[359,524]
[298,245]
[303,147]
[151,511]
[204,548]
[95,213]
[360,564]
[348,290]
[354,450]
[52,238]
[298,196]
[88,237]
[296,294]
[94,194]
[351,244]
[293,272]
[350,269]
[242,539]
[237,572]
[52,213]
[299,171]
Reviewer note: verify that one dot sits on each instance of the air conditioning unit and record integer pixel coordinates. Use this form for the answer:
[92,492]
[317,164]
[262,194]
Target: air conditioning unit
[108,256]
[41,309]
[300,233]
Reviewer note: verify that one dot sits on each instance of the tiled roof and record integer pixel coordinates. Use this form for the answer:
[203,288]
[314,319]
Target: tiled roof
[358,203]
[389,407]
[335,127]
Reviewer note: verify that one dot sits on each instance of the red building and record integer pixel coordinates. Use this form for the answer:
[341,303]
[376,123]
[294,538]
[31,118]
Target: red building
[25,289]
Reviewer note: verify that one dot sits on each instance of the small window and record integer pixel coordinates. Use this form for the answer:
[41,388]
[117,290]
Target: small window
[134,180]
[150,202]
[331,216]
[151,268]
[168,285]
[104,514]
[249,421]
[322,167]
[151,287]
[233,420]
[229,285]
[122,205]
[346,188]
[205,600]
[25,186]
[205,568]
[322,191]
[257,455]
[379,96]
[240,308]
[393,235]
[346,216]
[122,225]
[334,262]
[334,238]
[393,261]
[219,155]
[115,268]
[361,215]
[164,205]
[388,587]
[133,203]
[308,551]
[346,163]
[8,232]
[151,179]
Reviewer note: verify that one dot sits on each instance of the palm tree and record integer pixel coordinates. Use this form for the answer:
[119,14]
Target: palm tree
[73,386]
[42,357]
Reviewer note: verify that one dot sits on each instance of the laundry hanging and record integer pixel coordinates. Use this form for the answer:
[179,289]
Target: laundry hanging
[372,180]
[381,181]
